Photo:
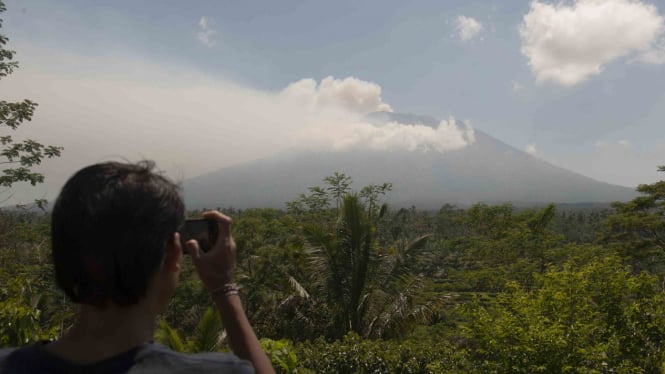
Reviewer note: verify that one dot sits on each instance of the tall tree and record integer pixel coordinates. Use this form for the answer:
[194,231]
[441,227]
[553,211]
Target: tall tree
[19,157]
[368,289]
[638,227]
[339,184]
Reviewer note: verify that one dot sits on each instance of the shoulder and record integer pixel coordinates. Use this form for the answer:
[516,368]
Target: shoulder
[158,356]
[28,359]
[4,353]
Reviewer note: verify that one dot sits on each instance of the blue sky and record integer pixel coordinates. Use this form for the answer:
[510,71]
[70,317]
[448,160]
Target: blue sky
[580,84]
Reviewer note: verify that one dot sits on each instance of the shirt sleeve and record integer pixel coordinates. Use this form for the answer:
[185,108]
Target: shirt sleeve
[4,353]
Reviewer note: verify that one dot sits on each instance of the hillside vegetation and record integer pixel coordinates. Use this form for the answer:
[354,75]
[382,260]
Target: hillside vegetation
[340,283]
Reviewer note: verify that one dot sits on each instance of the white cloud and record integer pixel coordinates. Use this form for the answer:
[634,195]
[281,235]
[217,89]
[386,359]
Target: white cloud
[351,94]
[467,28]
[334,110]
[566,43]
[340,136]
[206,34]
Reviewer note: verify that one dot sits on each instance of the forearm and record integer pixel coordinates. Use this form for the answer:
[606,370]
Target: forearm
[242,339]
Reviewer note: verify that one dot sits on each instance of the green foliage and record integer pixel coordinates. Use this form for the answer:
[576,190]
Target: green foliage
[371,194]
[488,246]
[339,185]
[31,307]
[581,225]
[282,356]
[169,337]
[592,318]
[637,230]
[208,335]
[367,289]
[271,258]
[20,315]
[484,289]
[353,354]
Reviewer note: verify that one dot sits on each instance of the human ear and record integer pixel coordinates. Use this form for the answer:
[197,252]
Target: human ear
[173,254]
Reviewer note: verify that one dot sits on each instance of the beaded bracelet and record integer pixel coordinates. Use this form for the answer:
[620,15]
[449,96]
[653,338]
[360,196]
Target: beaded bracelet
[228,289]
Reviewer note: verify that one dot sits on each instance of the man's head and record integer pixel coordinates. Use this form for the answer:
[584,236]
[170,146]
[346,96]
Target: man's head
[111,228]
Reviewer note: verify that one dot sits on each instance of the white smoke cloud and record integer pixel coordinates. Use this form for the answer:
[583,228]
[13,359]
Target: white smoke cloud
[350,94]
[467,27]
[114,107]
[447,136]
[566,43]
[334,111]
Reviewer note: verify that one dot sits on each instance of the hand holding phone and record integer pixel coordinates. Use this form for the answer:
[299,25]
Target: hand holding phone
[216,267]
[204,231]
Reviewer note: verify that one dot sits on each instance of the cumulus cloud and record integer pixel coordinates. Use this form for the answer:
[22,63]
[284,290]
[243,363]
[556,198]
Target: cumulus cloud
[447,136]
[206,34]
[566,43]
[517,86]
[467,27]
[349,94]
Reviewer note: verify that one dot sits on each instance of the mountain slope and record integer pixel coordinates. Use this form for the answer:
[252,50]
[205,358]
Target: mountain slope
[485,171]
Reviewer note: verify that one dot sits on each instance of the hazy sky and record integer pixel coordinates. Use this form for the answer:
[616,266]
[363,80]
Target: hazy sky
[198,85]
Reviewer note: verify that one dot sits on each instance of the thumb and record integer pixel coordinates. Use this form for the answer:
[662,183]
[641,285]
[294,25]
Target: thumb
[193,250]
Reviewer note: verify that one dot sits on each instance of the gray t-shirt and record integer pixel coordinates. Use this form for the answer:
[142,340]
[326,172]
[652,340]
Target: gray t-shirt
[147,358]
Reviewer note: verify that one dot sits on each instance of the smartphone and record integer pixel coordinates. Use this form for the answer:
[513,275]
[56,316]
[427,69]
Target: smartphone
[204,231]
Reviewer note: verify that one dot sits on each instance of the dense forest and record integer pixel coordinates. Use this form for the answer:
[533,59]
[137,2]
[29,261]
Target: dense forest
[340,282]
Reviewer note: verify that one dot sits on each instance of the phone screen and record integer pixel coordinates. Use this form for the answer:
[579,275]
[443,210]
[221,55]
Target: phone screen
[204,231]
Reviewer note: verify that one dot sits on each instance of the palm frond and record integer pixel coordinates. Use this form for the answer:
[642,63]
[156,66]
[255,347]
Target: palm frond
[169,337]
[209,332]
[298,288]
[417,244]
[327,273]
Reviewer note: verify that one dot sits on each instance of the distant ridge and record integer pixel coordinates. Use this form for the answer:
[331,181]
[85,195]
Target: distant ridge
[486,171]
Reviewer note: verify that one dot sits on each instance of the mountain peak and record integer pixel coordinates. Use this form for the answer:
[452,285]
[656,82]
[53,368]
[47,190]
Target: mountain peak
[485,170]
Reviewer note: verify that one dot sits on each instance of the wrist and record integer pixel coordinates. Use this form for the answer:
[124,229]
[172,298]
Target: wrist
[227,289]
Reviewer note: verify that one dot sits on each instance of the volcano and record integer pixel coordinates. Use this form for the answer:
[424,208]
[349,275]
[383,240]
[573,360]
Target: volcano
[486,170]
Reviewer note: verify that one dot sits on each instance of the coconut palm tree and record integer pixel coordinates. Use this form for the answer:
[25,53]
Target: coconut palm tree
[367,288]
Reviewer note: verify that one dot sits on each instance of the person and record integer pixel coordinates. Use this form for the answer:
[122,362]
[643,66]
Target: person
[117,253]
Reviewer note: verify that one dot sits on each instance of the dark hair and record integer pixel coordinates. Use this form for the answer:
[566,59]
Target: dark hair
[110,227]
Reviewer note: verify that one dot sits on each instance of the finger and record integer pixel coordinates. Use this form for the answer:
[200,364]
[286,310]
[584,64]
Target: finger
[223,222]
[217,215]
[176,241]
[192,247]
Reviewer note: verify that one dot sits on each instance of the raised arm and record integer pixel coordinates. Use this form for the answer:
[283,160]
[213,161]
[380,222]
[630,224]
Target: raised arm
[216,269]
